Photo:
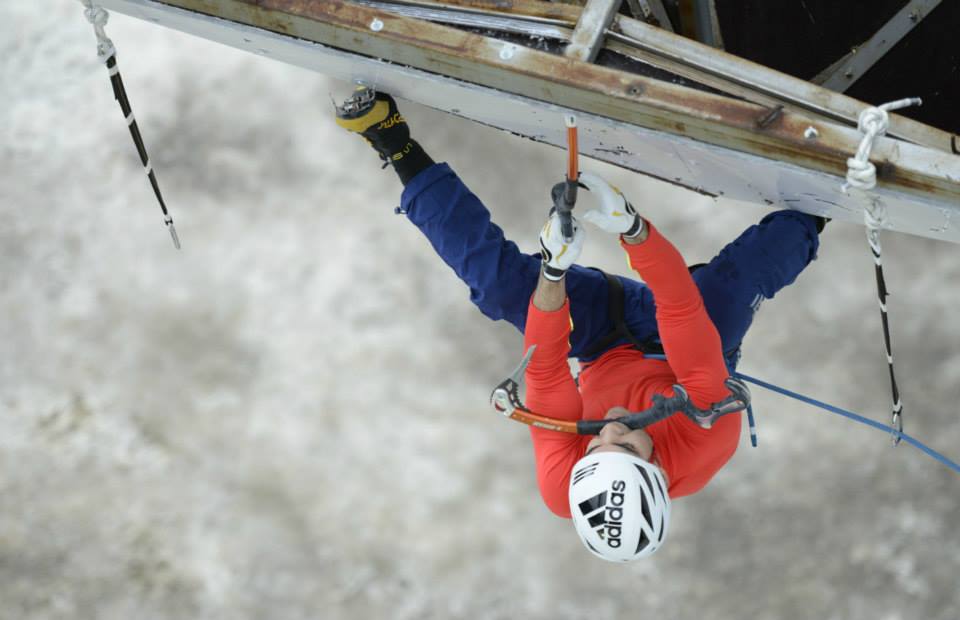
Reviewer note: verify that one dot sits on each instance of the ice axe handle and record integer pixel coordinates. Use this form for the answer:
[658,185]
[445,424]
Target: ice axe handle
[564,198]
[662,409]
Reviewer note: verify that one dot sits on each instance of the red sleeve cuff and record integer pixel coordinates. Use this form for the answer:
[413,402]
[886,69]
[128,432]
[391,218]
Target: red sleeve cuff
[648,248]
[547,327]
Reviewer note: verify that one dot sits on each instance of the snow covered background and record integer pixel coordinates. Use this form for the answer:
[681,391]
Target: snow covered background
[288,419]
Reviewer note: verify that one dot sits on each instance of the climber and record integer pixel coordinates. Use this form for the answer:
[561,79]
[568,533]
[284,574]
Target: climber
[616,486]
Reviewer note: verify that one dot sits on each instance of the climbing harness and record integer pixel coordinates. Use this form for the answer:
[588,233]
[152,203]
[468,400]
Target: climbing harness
[862,175]
[651,348]
[731,359]
[98,16]
[564,194]
[620,331]
[506,400]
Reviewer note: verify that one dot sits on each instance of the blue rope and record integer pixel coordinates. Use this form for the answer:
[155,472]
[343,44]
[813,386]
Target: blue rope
[847,414]
[853,416]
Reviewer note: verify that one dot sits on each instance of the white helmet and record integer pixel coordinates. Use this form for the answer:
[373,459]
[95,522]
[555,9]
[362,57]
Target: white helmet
[620,505]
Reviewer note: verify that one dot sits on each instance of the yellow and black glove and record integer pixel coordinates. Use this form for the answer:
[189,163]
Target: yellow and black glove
[374,115]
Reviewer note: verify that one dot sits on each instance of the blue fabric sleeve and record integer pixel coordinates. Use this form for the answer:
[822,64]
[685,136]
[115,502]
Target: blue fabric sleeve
[501,278]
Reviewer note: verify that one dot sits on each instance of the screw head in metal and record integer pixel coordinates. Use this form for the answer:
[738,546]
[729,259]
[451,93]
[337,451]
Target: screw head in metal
[811,132]
[376,25]
[506,52]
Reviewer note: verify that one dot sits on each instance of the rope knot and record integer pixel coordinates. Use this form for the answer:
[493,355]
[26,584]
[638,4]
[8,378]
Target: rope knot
[872,122]
[97,16]
[861,174]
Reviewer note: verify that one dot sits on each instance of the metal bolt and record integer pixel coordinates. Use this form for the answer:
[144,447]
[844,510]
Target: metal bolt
[811,132]
[914,16]
[376,25]
[506,52]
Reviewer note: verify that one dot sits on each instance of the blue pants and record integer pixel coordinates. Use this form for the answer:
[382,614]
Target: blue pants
[761,261]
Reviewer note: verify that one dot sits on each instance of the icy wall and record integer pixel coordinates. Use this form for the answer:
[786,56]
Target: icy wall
[288,418]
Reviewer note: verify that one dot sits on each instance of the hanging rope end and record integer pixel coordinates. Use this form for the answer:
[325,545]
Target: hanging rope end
[901,103]
[896,424]
[173,232]
[753,426]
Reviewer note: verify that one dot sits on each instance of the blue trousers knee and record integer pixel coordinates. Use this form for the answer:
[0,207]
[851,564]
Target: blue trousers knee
[762,260]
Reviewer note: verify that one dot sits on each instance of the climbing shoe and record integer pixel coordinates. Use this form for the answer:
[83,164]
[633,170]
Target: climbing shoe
[821,222]
[374,115]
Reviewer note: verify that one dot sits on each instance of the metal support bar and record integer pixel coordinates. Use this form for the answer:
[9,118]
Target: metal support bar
[660,13]
[706,23]
[473,18]
[766,81]
[842,74]
[661,48]
[651,11]
[592,26]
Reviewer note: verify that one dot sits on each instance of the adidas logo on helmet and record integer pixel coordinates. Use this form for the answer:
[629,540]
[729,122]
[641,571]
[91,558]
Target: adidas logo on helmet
[619,505]
[606,517]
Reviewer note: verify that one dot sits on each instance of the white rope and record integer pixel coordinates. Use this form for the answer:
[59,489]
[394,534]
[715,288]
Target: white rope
[872,122]
[874,218]
[98,17]
[862,174]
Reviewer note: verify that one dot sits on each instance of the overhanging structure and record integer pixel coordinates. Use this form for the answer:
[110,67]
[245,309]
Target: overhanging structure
[718,125]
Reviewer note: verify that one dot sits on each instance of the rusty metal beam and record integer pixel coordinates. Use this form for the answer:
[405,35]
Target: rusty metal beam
[785,88]
[475,18]
[624,45]
[919,186]
[709,66]
[568,13]
[510,68]
[706,65]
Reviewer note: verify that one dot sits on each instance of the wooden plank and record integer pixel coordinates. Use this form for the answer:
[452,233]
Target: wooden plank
[591,28]
[566,82]
[716,68]
[702,167]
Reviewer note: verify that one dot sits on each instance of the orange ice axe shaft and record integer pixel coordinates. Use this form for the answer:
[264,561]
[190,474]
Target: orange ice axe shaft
[565,194]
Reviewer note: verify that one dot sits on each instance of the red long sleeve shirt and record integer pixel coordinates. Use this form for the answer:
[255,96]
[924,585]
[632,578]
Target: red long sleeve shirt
[623,377]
